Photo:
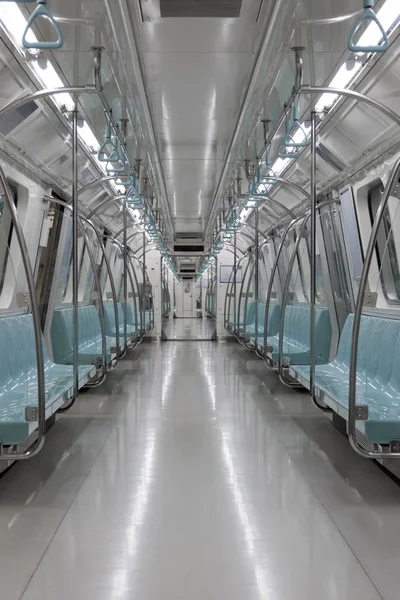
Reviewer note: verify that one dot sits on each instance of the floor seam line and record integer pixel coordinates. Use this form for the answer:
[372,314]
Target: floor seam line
[63,518]
[331,518]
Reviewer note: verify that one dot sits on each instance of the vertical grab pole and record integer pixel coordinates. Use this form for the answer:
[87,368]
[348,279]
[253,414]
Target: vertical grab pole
[144,282]
[256,274]
[313,259]
[234,281]
[313,249]
[125,246]
[75,264]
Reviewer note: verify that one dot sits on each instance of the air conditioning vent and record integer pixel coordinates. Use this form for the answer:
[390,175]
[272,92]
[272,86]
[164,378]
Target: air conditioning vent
[219,9]
[188,235]
[189,248]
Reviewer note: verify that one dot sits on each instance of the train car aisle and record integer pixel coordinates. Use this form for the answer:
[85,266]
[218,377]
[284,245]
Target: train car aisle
[193,474]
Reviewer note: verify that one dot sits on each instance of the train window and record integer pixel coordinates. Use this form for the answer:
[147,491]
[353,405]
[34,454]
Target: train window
[6,233]
[386,252]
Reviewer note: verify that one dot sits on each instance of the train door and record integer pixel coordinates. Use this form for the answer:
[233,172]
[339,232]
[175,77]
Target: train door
[187,298]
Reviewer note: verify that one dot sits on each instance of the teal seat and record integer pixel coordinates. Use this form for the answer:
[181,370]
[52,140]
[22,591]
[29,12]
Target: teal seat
[89,338]
[273,325]
[378,377]
[296,342]
[250,317]
[109,315]
[18,379]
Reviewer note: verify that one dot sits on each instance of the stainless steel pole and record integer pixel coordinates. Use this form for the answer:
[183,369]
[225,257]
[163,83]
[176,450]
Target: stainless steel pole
[125,247]
[75,257]
[145,299]
[313,249]
[256,273]
[234,280]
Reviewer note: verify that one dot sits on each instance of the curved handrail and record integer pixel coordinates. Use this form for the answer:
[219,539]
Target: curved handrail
[237,334]
[111,278]
[42,11]
[107,201]
[98,285]
[101,309]
[38,445]
[272,278]
[368,15]
[391,188]
[312,89]
[285,295]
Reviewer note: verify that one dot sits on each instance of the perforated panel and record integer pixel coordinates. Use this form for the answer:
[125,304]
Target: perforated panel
[223,9]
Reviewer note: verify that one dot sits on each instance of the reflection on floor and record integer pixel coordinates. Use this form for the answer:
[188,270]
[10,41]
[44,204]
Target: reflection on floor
[189,328]
[193,474]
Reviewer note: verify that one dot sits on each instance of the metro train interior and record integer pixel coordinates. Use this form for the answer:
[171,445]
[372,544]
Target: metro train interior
[200,299]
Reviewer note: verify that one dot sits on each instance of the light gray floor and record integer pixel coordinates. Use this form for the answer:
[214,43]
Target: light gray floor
[189,328]
[192,474]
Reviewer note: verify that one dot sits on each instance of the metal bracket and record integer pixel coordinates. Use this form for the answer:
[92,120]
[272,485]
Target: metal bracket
[130,294]
[23,299]
[99,363]
[370,299]
[361,413]
[109,295]
[394,446]
[31,413]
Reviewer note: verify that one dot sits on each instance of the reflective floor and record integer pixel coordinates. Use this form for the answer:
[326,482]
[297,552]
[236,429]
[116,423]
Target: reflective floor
[193,474]
[189,328]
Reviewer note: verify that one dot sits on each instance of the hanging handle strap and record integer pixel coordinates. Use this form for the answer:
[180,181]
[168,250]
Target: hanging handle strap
[42,11]
[368,15]
[288,143]
[109,150]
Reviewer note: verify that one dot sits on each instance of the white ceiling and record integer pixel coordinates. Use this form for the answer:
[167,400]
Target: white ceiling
[196,71]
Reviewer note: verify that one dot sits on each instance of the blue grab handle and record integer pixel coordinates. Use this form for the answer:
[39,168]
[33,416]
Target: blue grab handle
[269,174]
[295,127]
[113,170]
[368,15]
[42,11]
[288,142]
[109,149]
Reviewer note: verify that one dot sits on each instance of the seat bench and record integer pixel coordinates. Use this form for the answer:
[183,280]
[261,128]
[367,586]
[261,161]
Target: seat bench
[378,377]
[109,315]
[296,341]
[273,325]
[89,337]
[18,379]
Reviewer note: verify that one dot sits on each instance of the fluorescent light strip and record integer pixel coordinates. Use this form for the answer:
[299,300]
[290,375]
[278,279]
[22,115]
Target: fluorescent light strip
[388,15]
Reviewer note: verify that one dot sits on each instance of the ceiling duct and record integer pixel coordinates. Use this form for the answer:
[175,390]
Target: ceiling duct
[219,9]
[189,248]
[152,10]
[191,235]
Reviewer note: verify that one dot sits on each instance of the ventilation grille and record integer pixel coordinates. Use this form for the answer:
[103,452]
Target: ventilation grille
[190,248]
[220,9]
[191,235]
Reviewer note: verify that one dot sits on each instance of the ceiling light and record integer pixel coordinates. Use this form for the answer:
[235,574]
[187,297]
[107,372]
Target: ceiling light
[389,17]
